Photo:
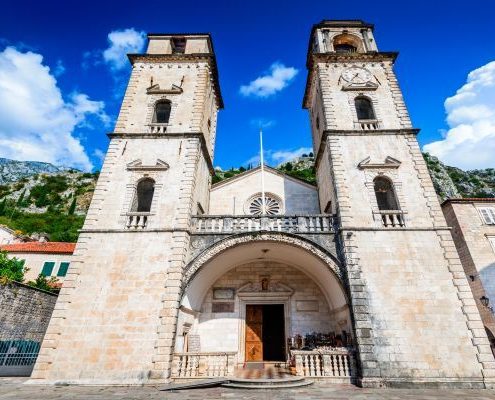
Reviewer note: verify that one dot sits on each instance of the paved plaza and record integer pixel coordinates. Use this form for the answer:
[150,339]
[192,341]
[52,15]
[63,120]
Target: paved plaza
[13,388]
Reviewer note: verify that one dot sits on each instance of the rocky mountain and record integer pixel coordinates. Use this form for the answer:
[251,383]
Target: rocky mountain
[13,170]
[453,182]
[52,203]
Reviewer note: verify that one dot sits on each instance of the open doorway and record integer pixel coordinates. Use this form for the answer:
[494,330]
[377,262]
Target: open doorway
[265,332]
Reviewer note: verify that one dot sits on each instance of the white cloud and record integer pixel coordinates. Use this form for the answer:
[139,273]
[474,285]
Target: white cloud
[277,157]
[470,141]
[262,123]
[36,123]
[283,156]
[276,79]
[59,68]
[99,154]
[122,42]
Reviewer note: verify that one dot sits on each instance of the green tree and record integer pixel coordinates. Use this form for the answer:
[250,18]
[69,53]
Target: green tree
[21,197]
[2,206]
[11,269]
[72,207]
[44,283]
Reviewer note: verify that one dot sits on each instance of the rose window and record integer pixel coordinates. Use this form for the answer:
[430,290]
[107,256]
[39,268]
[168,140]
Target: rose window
[272,206]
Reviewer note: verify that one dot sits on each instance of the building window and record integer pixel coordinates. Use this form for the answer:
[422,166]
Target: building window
[385,195]
[47,268]
[317,122]
[488,215]
[62,270]
[144,195]
[491,239]
[345,48]
[273,206]
[162,112]
[364,108]
[178,45]
[346,43]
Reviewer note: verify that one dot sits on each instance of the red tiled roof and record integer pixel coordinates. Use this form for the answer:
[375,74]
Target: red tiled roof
[40,247]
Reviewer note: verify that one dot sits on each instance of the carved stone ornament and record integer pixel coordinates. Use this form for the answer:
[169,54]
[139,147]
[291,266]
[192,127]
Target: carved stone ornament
[389,162]
[155,89]
[137,165]
[258,287]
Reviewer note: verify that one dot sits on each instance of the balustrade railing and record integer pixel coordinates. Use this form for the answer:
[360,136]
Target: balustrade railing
[137,220]
[203,365]
[367,124]
[325,363]
[250,223]
[157,128]
[392,218]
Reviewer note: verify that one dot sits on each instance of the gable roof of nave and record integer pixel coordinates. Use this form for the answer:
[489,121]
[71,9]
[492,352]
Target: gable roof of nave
[256,170]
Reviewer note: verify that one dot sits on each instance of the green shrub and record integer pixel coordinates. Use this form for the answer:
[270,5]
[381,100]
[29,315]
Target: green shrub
[11,269]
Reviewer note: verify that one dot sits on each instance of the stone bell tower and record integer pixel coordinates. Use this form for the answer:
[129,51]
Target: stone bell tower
[115,318]
[414,316]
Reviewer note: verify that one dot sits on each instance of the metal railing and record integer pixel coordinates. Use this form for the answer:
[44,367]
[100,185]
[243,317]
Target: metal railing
[338,363]
[248,223]
[203,365]
[17,357]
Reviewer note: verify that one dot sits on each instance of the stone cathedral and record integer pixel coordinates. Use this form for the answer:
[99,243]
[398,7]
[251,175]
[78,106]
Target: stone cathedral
[354,280]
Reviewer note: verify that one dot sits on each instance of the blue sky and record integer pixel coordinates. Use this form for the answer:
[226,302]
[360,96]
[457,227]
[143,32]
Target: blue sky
[78,98]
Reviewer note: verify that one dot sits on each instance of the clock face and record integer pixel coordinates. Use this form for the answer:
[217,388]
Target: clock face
[357,75]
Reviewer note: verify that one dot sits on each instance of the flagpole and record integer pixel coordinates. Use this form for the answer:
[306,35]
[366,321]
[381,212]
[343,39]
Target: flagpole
[262,175]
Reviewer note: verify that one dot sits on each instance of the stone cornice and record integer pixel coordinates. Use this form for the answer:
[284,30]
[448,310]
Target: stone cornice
[354,132]
[169,135]
[315,58]
[183,58]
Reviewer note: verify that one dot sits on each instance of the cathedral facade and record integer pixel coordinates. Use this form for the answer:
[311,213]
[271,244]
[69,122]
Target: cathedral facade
[356,279]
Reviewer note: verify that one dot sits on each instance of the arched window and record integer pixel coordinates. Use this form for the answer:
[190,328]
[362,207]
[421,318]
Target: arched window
[144,195]
[162,112]
[345,48]
[385,195]
[364,108]
[346,43]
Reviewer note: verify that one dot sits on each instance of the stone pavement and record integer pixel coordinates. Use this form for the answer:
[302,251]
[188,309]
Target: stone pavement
[13,388]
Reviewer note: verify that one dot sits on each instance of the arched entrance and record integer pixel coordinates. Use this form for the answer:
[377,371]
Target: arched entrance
[257,297]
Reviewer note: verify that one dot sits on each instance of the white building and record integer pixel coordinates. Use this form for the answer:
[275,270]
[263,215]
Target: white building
[174,278]
[52,259]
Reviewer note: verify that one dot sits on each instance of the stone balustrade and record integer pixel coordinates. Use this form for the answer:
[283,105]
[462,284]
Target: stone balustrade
[222,224]
[203,365]
[137,220]
[338,363]
[367,124]
[392,218]
[157,128]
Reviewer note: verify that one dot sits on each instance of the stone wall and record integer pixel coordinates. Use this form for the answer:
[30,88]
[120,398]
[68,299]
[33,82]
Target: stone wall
[24,312]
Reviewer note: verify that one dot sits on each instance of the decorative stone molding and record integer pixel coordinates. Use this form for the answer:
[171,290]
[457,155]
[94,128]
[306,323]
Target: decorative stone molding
[137,165]
[155,89]
[389,162]
[219,247]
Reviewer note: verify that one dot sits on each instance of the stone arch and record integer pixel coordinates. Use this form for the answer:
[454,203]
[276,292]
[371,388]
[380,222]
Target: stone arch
[348,39]
[315,261]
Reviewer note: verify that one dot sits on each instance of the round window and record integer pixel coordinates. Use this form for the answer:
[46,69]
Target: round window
[273,205]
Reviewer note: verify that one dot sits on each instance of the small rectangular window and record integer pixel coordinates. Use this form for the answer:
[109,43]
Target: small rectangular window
[62,270]
[488,215]
[491,239]
[178,45]
[47,268]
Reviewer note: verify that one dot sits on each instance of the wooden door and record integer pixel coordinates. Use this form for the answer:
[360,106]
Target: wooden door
[254,332]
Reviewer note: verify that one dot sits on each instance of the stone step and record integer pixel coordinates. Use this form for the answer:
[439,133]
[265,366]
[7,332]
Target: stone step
[277,383]
[267,385]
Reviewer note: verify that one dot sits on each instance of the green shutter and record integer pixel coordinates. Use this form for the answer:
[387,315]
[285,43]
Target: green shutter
[62,271]
[47,268]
